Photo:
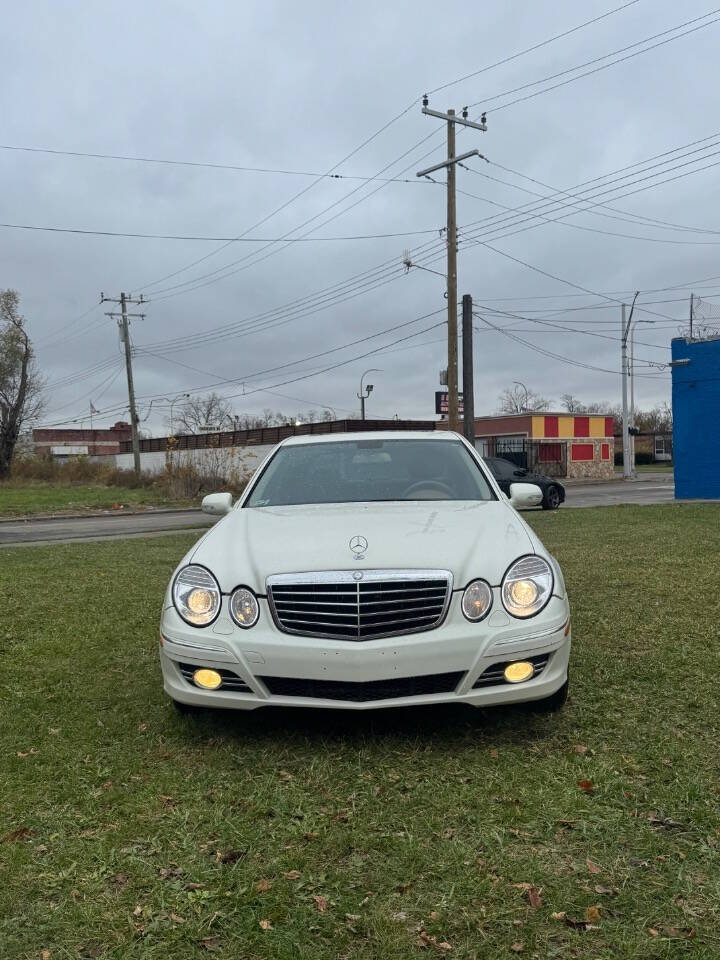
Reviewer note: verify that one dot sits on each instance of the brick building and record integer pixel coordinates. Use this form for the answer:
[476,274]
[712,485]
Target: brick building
[558,444]
[62,443]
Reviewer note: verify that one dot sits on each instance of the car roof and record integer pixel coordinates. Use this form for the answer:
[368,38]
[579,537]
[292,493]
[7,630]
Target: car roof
[440,436]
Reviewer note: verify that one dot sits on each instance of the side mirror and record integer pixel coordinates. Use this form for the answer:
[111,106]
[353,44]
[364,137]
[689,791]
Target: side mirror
[217,504]
[525,495]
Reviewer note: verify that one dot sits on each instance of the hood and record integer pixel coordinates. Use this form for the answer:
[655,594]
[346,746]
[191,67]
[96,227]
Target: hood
[471,539]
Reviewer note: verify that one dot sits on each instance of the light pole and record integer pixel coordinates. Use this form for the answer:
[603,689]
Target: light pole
[525,403]
[362,396]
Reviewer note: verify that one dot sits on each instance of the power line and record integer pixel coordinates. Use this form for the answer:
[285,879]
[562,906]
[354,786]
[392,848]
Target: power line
[173,236]
[587,63]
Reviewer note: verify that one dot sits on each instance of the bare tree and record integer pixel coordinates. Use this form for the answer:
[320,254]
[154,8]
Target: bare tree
[572,404]
[517,400]
[21,385]
[200,414]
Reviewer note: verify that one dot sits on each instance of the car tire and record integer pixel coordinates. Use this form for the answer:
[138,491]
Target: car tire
[554,702]
[551,500]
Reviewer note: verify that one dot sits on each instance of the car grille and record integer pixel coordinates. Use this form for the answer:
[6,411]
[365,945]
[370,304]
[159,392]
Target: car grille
[493,675]
[363,692]
[359,605]
[230,680]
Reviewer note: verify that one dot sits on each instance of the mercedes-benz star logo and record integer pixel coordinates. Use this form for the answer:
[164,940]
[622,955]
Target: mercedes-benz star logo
[358,545]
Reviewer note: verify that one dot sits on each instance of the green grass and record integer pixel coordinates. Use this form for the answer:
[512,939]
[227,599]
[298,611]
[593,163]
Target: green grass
[32,497]
[129,832]
[649,468]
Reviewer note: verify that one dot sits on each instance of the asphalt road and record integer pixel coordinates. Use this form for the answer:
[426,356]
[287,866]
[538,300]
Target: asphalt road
[647,490]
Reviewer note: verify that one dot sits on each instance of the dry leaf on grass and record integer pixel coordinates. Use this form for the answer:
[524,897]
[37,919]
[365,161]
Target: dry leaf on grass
[292,875]
[230,856]
[285,776]
[534,894]
[211,944]
[572,922]
[263,885]
[45,954]
[193,886]
[592,915]
[673,933]
[586,786]
[434,915]
[425,940]
[608,891]
[22,833]
[580,748]
[177,919]
[321,903]
[266,924]
[517,947]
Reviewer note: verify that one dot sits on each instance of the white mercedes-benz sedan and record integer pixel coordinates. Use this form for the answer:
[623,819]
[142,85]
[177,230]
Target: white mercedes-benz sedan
[368,570]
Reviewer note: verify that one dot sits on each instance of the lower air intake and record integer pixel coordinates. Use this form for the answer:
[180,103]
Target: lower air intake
[363,692]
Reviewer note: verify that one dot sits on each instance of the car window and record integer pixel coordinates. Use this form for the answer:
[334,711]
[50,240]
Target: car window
[356,471]
[502,469]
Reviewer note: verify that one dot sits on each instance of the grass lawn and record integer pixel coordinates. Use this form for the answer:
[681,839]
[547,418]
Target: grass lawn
[129,832]
[23,498]
[649,468]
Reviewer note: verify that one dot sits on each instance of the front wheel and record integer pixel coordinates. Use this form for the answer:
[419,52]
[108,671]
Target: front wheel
[551,500]
[554,702]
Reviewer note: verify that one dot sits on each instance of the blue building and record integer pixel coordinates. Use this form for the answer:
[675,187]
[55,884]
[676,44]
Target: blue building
[696,418]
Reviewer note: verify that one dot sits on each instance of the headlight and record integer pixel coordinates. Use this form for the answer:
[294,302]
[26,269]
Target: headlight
[527,586]
[244,607]
[477,600]
[196,596]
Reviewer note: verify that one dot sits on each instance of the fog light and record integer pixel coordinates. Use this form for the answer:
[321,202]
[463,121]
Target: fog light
[517,672]
[208,679]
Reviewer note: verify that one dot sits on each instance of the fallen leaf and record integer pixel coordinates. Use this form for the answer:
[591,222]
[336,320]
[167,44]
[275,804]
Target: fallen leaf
[586,786]
[170,872]
[292,875]
[592,915]
[266,925]
[193,886]
[54,730]
[522,886]
[119,880]
[353,917]
[676,933]
[285,776]
[176,919]
[434,915]
[211,944]
[664,823]
[517,947]
[230,856]
[400,916]
[142,728]
[580,748]
[45,954]
[610,891]
[321,903]
[263,885]
[534,896]
[311,835]
[137,912]
[22,833]
[593,867]
[653,932]
[404,887]
[425,940]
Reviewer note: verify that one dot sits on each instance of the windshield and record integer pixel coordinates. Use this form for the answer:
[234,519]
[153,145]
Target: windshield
[360,471]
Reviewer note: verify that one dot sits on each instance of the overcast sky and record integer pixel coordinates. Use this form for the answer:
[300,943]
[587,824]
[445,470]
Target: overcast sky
[298,87]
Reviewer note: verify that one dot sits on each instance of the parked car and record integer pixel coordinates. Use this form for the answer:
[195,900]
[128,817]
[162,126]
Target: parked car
[506,472]
[368,570]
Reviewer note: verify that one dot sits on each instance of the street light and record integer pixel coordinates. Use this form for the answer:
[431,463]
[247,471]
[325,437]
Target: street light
[362,396]
[521,384]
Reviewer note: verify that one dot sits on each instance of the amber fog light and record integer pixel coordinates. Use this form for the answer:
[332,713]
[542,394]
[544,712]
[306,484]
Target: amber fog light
[519,671]
[207,679]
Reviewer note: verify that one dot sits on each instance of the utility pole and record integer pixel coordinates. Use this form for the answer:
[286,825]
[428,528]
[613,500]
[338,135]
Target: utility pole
[624,330]
[468,371]
[691,316]
[451,119]
[122,319]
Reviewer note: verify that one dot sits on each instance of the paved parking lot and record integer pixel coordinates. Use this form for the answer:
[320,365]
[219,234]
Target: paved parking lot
[651,488]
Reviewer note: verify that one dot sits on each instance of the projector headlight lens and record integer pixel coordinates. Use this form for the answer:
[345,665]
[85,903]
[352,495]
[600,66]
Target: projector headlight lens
[527,586]
[477,600]
[196,596]
[244,608]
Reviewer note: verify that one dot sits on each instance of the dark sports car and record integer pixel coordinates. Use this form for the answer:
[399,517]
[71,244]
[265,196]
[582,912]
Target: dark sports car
[506,473]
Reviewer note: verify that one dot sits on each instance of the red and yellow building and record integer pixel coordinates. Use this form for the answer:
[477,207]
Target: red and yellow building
[568,444]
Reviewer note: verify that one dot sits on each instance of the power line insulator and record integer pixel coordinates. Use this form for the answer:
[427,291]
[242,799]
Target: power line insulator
[425,100]
[465,113]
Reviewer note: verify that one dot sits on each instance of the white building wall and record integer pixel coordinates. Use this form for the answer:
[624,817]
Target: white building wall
[222,459]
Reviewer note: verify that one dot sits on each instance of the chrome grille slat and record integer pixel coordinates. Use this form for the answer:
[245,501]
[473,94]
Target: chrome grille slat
[337,605]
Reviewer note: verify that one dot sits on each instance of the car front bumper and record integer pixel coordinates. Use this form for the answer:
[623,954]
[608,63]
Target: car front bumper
[275,668]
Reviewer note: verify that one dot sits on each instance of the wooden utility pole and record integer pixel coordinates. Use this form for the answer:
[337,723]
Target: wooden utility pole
[453,417]
[468,373]
[451,119]
[122,319]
